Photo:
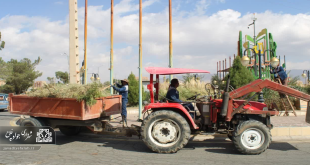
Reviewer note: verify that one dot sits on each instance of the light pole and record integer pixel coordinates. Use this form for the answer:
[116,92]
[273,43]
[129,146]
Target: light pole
[68,65]
[246,60]
[98,70]
[254,19]
[94,77]
[305,74]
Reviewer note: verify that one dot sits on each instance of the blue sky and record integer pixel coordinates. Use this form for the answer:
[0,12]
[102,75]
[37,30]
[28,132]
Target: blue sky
[204,32]
[58,9]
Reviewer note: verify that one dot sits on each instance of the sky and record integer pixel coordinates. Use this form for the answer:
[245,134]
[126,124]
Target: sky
[204,32]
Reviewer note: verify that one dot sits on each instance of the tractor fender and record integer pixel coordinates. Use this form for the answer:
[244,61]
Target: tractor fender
[176,107]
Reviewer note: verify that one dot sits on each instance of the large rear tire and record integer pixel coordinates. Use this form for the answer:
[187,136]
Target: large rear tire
[252,137]
[165,131]
[32,122]
[70,130]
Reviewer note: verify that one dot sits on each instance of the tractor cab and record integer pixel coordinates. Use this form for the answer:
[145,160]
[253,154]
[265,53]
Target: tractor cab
[158,102]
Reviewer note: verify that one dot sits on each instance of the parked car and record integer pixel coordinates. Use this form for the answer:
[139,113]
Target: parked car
[4,103]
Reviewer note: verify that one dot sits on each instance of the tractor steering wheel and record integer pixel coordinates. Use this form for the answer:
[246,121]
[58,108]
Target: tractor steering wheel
[193,97]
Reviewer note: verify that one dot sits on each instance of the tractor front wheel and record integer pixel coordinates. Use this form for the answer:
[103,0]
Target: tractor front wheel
[252,137]
[165,131]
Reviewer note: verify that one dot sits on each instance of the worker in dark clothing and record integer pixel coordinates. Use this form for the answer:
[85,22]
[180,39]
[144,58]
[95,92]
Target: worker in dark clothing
[123,90]
[173,96]
[280,74]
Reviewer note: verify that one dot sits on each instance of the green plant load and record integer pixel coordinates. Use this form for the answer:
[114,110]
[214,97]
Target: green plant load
[88,92]
[186,89]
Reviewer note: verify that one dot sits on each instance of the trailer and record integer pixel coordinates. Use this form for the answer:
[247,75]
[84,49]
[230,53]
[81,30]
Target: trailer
[69,115]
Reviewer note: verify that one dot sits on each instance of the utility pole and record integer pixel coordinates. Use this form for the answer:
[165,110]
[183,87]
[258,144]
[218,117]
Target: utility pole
[111,47]
[170,39]
[74,72]
[85,44]
[140,60]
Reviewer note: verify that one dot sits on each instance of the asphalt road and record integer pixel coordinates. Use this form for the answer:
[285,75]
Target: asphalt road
[6,117]
[96,149]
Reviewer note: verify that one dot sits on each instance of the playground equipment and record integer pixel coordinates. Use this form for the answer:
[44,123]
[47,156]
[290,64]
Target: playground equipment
[263,43]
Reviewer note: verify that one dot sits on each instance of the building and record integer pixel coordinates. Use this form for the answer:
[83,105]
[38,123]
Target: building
[39,84]
[145,82]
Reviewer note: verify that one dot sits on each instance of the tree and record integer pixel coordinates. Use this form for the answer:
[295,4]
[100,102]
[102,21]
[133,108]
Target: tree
[133,93]
[21,75]
[62,76]
[239,74]
[5,69]
[51,80]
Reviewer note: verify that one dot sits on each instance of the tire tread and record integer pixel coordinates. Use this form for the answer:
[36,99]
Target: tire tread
[174,148]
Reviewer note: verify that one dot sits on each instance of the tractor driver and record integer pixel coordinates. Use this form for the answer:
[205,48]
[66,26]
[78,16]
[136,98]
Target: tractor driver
[173,96]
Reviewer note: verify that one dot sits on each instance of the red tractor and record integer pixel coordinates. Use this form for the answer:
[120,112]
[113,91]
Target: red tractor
[168,126]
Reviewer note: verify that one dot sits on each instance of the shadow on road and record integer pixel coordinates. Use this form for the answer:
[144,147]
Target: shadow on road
[117,143]
[135,145]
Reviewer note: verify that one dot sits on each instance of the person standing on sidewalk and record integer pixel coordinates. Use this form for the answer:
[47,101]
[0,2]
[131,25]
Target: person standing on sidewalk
[123,90]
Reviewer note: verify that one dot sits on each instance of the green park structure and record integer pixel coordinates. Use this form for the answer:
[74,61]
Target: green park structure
[263,45]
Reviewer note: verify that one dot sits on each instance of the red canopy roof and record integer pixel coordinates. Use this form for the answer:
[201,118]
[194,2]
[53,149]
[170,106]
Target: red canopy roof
[168,71]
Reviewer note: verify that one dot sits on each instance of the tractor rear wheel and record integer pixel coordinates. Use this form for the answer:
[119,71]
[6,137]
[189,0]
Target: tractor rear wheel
[165,131]
[252,137]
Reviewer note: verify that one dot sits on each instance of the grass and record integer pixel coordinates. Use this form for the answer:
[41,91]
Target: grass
[88,92]
[186,89]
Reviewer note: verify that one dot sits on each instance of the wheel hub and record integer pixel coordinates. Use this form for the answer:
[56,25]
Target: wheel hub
[164,132]
[252,138]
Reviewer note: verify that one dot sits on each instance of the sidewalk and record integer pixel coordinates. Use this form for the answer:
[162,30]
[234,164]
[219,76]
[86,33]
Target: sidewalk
[285,127]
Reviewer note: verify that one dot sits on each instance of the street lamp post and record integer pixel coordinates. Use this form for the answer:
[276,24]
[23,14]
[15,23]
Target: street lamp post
[94,77]
[254,19]
[68,65]
[305,74]
[246,60]
[98,70]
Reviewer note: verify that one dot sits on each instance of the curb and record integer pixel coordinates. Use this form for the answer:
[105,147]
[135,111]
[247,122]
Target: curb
[290,132]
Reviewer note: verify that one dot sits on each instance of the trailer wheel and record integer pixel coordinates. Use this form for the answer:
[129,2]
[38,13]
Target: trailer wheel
[32,122]
[165,131]
[70,130]
[252,137]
